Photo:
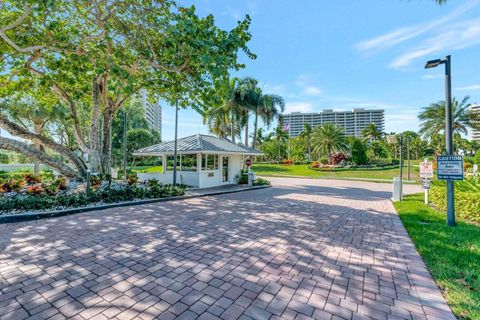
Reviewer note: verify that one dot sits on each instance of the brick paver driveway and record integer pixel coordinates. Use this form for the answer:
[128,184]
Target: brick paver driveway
[303,249]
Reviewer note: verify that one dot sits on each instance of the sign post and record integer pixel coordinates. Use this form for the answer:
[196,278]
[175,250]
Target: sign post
[450,168]
[426,173]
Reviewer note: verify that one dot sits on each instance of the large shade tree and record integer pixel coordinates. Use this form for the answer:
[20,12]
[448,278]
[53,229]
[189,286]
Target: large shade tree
[95,54]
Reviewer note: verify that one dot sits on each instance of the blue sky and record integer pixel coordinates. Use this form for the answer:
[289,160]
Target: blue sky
[343,54]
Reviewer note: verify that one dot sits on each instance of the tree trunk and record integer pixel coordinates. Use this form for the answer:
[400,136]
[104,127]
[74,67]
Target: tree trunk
[37,155]
[95,149]
[20,132]
[255,125]
[37,127]
[233,126]
[107,141]
[246,132]
[309,150]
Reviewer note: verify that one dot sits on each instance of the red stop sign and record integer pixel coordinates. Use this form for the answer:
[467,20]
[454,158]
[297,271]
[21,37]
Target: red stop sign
[248,162]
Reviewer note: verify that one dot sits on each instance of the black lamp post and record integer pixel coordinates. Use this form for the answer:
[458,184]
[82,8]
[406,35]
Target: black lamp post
[448,130]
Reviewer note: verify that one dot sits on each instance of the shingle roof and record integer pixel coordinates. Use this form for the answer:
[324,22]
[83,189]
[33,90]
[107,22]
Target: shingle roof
[196,144]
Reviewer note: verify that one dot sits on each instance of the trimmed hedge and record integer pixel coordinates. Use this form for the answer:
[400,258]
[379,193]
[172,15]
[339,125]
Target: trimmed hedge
[108,195]
[467,204]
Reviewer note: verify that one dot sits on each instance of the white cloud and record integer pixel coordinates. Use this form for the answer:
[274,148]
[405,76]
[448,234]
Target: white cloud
[472,87]
[312,91]
[298,106]
[403,34]
[458,36]
[279,89]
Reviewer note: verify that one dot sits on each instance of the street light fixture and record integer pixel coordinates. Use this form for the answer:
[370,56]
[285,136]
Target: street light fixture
[448,130]
[433,63]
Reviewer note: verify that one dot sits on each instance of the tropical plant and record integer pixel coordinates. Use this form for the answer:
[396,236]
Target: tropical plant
[371,132]
[418,147]
[377,150]
[248,93]
[433,118]
[306,135]
[268,107]
[329,138]
[359,152]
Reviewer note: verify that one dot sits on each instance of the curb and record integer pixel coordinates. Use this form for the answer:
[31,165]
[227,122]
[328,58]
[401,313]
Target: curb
[379,180]
[12,218]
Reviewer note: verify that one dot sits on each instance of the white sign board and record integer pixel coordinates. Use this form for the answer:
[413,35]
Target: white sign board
[426,169]
[450,167]
[426,184]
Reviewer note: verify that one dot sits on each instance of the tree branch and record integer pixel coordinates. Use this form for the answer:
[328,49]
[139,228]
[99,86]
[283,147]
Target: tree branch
[18,131]
[73,110]
[37,155]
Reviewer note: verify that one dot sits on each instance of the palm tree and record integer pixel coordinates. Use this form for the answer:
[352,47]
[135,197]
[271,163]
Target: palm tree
[247,97]
[269,107]
[281,137]
[233,102]
[329,138]
[371,132]
[433,118]
[217,120]
[306,135]
[259,137]
[418,146]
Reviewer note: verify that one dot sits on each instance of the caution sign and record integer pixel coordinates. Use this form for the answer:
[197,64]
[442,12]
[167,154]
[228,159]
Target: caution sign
[450,167]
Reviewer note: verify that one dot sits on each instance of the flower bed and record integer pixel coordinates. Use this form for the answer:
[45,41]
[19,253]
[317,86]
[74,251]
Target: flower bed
[317,166]
[24,192]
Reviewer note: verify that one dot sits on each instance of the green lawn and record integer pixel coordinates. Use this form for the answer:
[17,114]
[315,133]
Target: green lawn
[305,171]
[148,169]
[451,254]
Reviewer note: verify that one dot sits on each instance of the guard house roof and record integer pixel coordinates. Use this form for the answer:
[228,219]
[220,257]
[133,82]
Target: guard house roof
[199,143]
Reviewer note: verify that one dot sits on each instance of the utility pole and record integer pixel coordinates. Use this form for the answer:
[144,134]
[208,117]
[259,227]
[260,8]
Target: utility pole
[408,158]
[401,167]
[175,146]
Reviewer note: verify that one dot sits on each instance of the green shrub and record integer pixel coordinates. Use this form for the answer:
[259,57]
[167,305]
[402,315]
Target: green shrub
[261,182]
[37,201]
[359,152]
[467,204]
[4,158]
[476,158]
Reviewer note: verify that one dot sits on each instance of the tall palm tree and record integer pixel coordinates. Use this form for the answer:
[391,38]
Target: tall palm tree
[269,107]
[233,102]
[433,118]
[281,137]
[329,138]
[418,147]
[259,137]
[306,135]
[371,132]
[217,120]
[247,95]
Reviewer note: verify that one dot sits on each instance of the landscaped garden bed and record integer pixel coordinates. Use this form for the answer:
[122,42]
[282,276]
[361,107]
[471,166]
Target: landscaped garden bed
[467,198]
[25,193]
